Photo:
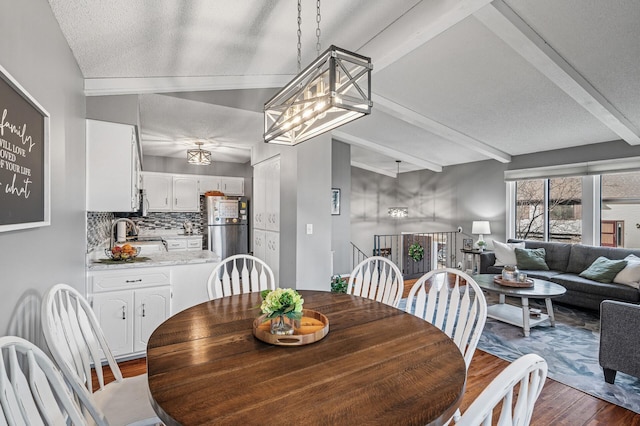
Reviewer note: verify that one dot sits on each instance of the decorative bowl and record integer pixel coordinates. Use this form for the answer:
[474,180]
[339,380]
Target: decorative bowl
[123,253]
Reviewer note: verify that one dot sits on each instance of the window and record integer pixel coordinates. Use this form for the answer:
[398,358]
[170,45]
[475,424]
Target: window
[549,209]
[620,210]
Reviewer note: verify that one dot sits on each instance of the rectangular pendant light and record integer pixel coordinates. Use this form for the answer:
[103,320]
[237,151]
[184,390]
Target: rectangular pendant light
[333,90]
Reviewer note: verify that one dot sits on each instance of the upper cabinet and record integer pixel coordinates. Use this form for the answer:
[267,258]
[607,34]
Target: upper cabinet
[225,184]
[167,192]
[113,167]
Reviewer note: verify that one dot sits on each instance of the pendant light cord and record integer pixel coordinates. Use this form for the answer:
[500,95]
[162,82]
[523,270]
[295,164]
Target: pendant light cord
[318,27]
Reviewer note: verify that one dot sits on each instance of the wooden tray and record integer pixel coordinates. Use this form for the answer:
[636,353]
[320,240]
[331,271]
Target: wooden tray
[313,327]
[498,280]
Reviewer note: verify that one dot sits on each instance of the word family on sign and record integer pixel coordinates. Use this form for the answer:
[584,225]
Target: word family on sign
[10,154]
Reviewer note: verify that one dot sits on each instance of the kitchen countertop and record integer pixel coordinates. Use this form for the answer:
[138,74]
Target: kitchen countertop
[160,259]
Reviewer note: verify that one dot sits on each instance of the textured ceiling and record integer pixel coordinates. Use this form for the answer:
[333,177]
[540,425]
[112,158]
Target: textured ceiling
[453,81]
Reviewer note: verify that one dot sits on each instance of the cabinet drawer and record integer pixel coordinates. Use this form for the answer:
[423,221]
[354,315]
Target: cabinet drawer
[194,244]
[176,245]
[129,278]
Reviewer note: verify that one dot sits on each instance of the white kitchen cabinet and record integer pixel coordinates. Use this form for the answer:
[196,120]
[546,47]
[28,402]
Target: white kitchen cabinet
[232,185]
[208,183]
[185,194]
[159,190]
[113,167]
[130,304]
[167,192]
[191,243]
[266,213]
[189,285]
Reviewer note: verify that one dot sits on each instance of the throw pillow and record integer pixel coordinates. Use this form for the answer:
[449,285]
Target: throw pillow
[505,252]
[531,259]
[603,270]
[630,275]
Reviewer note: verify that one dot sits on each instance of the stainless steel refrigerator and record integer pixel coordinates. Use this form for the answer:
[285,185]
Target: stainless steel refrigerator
[228,228]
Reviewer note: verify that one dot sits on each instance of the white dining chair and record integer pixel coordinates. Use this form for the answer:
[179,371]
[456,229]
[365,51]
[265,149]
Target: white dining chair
[377,278]
[530,372]
[458,309]
[32,389]
[77,344]
[240,273]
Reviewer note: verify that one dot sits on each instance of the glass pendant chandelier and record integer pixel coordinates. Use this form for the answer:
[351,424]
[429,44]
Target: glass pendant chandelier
[333,90]
[398,212]
[199,156]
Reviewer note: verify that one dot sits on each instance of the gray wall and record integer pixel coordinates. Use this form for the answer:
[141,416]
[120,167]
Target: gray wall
[34,52]
[341,224]
[115,108]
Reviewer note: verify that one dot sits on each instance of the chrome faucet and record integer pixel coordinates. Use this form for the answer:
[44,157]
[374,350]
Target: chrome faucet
[112,239]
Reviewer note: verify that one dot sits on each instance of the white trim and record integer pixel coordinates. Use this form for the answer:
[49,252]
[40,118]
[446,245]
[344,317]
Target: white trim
[617,165]
[510,232]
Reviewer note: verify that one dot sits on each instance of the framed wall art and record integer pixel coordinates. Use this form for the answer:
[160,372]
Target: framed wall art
[335,201]
[467,244]
[25,194]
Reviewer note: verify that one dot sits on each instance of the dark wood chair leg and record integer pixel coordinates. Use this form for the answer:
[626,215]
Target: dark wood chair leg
[609,375]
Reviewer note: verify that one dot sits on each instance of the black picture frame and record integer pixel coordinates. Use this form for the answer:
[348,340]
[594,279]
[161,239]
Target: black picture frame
[467,244]
[24,158]
[335,201]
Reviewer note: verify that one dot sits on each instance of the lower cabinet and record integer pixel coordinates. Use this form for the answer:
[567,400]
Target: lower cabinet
[129,305]
[189,285]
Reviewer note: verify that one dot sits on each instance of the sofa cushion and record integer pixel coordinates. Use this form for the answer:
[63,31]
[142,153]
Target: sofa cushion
[505,252]
[603,270]
[582,256]
[630,275]
[584,285]
[531,259]
[557,254]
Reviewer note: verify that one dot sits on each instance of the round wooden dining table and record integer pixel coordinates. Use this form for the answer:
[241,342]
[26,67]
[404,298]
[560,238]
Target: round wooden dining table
[377,365]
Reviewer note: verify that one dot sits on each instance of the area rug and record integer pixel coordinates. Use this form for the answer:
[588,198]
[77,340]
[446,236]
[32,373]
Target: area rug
[570,349]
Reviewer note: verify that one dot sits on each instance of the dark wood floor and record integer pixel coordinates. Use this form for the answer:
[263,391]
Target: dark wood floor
[557,405]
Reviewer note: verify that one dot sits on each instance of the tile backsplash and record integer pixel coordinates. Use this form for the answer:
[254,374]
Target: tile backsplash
[99,223]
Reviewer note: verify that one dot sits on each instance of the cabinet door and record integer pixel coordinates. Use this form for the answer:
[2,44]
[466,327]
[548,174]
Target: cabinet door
[232,185]
[136,179]
[114,310]
[152,307]
[259,244]
[185,194]
[272,253]
[259,197]
[110,166]
[208,183]
[272,192]
[159,191]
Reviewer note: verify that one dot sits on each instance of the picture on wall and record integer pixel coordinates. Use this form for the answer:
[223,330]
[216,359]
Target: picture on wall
[335,201]
[24,158]
[467,244]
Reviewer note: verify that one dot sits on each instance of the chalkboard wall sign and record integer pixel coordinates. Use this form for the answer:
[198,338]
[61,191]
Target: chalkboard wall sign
[24,158]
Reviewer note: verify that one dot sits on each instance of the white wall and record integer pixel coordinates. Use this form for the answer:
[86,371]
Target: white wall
[34,52]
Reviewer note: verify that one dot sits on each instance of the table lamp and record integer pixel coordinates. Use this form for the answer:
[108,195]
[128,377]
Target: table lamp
[480,227]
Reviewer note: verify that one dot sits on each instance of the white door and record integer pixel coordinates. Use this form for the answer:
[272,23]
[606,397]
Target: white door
[272,193]
[114,310]
[259,244]
[272,253]
[259,197]
[185,194]
[158,189]
[232,185]
[152,307]
[208,183]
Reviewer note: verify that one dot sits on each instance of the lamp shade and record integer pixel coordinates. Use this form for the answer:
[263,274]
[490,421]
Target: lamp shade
[480,227]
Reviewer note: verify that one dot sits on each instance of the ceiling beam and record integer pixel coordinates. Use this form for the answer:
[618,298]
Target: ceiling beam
[129,86]
[384,150]
[420,24]
[499,18]
[407,115]
[374,169]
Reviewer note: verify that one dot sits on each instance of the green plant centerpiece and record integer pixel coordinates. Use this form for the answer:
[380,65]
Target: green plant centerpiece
[283,306]
[338,284]
[416,252]
[481,244]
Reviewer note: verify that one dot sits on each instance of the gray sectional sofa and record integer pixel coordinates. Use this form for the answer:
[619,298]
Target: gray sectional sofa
[566,262]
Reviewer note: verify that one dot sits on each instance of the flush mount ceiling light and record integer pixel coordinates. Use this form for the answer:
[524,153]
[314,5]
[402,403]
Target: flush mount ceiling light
[199,156]
[398,212]
[333,90]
